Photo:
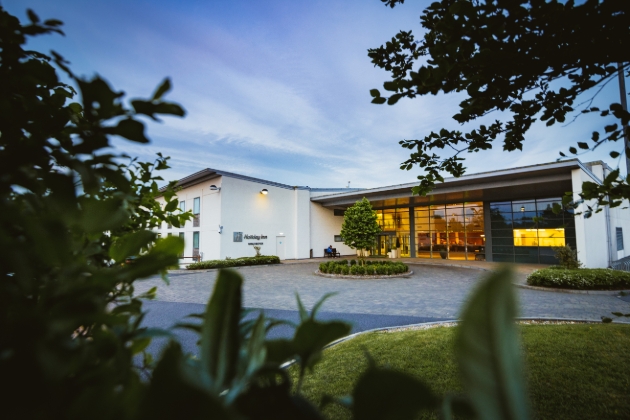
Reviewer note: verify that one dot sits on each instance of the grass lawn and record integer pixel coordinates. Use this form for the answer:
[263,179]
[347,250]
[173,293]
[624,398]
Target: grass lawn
[577,371]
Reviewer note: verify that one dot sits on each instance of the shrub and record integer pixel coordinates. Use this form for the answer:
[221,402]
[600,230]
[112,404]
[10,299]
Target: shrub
[238,262]
[353,262]
[567,257]
[339,269]
[323,268]
[353,270]
[346,270]
[584,278]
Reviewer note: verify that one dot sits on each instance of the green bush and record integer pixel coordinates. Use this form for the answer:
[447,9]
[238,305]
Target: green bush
[353,262]
[567,257]
[323,268]
[237,262]
[584,278]
[339,269]
[346,270]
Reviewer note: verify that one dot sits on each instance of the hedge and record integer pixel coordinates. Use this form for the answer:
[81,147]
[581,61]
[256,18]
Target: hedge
[237,262]
[370,269]
[582,278]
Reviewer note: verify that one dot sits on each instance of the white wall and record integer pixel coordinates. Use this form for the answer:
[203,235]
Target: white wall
[619,217]
[324,226]
[591,234]
[279,213]
[210,214]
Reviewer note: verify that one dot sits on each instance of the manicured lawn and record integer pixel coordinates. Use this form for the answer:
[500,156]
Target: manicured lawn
[575,371]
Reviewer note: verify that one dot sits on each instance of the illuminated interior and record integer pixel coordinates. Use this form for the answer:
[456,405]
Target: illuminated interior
[539,237]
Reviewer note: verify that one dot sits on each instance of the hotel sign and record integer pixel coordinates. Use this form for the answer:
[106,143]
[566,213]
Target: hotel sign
[257,237]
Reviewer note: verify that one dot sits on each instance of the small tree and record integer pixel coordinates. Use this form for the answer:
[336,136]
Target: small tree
[359,228]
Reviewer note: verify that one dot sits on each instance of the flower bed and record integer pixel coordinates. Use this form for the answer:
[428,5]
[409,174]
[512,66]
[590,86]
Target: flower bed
[236,262]
[371,268]
[582,278]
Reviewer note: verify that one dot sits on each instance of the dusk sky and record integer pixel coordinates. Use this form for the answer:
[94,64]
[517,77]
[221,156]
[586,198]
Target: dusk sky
[274,89]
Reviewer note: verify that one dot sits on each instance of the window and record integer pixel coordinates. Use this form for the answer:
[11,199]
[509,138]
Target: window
[181,236]
[619,232]
[338,238]
[338,212]
[169,234]
[196,210]
[195,244]
[182,206]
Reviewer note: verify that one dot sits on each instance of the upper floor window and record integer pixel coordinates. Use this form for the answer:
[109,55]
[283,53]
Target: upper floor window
[182,206]
[196,211]
[619,232]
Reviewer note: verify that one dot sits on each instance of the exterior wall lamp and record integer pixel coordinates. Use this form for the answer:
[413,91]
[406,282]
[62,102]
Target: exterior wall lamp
[522,208]
[214,188]
[264,191]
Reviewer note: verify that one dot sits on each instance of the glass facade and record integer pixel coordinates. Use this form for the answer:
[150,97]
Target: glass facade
[451,231]
[395,232]
[526,231]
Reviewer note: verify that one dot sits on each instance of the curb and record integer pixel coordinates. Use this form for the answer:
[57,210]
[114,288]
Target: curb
[613,292]
[449,265]
[349,277]
[449,321]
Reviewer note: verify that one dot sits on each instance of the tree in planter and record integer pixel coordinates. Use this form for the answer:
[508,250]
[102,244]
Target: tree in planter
[530,59]
[360,227]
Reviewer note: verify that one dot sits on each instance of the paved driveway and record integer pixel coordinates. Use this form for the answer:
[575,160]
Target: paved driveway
[432,292]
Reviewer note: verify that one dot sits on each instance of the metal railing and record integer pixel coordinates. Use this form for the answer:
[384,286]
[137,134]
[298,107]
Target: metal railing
[622,264]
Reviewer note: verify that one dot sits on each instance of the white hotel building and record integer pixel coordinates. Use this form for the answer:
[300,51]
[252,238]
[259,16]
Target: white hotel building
[501,215]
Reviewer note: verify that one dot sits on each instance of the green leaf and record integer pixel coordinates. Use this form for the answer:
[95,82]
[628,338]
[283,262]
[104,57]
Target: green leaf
[220,340]
[320,302]
[303,313]
[101,215]
[164,87]
[387,394]
[173,391]
[32,16]
[132,130]
[582,145]
[614,154]
[311,336]
[379,100]
[375,93]
[130,244]
[171,206]
[279,351]
[488,351]
[573,150]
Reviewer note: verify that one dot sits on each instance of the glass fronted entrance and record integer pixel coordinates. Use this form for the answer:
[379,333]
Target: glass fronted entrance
[450,231]
[395,237]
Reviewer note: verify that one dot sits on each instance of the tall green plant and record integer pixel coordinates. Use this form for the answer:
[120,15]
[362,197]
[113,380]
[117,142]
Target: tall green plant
[70,214]
[360,227]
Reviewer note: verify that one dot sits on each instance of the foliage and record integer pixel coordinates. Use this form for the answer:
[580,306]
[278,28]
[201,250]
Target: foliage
[529,59]
[567,257]
[235,262]
[560,387]
[371,268]
[360,226]
[584,278]
[70,214]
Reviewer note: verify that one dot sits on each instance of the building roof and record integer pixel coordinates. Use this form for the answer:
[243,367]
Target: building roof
[547,179]
[209,173]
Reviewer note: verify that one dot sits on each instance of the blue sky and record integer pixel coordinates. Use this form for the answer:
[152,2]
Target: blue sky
[274,89]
